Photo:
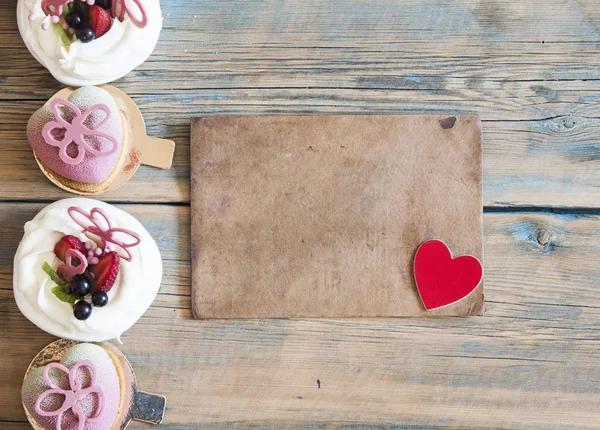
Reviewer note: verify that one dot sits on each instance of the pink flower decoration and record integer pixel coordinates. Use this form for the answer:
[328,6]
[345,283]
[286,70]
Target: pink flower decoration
[72,396]
[96,222]
[76,131]
[69,270]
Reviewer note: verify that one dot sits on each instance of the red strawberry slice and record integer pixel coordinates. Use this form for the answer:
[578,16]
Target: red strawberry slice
[105,272]
[66,243]
[99,20]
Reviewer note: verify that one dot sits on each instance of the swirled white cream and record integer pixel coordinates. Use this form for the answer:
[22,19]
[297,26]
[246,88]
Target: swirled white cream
[134,291]
[123,48]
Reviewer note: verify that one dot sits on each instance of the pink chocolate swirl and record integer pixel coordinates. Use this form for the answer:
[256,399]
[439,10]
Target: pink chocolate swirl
[69,269]
[97,223]
[72,396]
[54,7]
[119,9]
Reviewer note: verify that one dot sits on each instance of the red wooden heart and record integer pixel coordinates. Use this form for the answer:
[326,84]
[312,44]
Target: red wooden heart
[441,279]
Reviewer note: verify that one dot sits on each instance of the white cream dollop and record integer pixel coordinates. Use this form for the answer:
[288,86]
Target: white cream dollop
[134,291]
[110,57]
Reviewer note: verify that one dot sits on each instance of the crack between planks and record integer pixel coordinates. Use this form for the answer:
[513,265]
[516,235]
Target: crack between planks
[112,202]
[496,358]
[510,209]
[542,210]
[527,304]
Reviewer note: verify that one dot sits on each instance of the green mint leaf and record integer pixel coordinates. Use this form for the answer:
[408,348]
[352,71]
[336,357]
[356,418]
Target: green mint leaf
[53,275]
[63,296]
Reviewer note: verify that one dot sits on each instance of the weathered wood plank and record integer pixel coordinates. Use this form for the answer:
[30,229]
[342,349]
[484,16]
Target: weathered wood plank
[133,426]
[335,44]
[529,362]
[551,161]
[429,68]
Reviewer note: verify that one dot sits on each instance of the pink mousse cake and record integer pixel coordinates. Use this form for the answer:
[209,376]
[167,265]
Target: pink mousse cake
[79,138]
[82,392]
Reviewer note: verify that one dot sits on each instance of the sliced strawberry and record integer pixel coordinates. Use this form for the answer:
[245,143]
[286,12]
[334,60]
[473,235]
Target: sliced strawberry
[66,243]
[105,272]
[100,20]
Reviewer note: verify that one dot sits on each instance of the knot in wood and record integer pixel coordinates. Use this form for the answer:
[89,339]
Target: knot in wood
[543,237]
[567,123]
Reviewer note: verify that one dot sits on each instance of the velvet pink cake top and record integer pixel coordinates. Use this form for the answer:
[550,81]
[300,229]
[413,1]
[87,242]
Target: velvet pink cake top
[79,138]
[82,392]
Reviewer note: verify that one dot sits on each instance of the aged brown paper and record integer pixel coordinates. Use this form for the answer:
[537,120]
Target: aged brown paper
[321,216]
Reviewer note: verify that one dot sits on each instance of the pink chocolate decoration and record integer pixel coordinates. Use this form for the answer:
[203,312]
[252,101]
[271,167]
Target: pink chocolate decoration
[54,7]
[76,131]
[69,270]
[122,8]
[72,396]
[97,223]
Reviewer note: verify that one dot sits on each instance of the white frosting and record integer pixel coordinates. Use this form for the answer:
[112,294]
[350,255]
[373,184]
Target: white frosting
[134,291]
[110,57]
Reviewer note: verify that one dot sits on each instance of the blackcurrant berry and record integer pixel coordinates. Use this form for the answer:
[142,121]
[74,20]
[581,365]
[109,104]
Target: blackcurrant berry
[85,34]
[73,20]
[80,285]
[82,310]
[100,299]
[82,9]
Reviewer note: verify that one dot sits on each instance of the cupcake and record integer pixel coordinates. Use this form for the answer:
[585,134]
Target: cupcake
[92,140]
[85,270]
[89,42]
[82,391]
[85,386]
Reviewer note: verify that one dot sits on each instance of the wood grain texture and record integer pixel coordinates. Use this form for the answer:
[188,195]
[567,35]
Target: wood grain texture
[531,71]
[529,362]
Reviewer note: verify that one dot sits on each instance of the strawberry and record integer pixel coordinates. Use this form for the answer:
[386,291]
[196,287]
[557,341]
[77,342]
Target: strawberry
[105,272]
[66,243]
[100,20]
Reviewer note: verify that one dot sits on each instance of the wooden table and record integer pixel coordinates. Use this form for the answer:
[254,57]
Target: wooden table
[531,71]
